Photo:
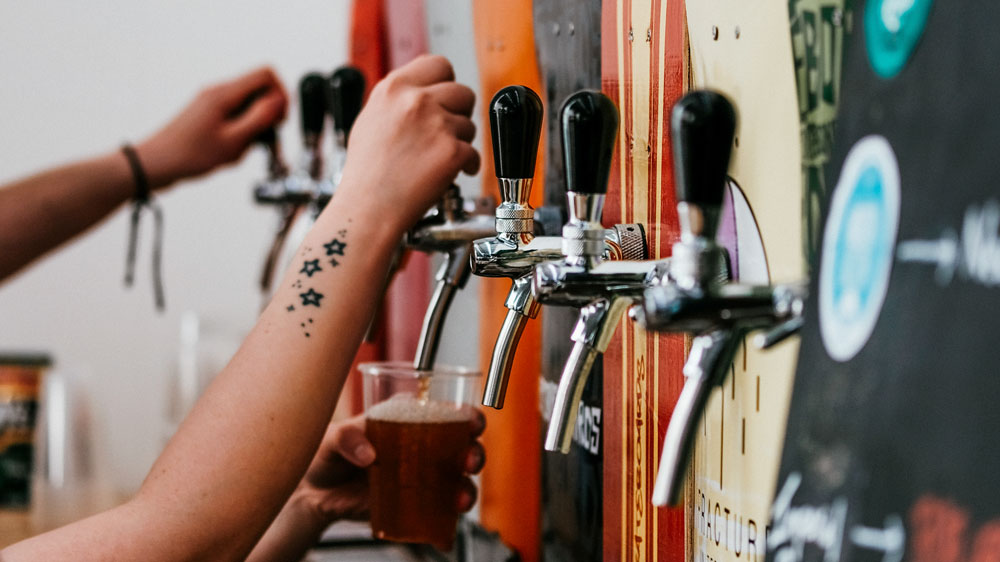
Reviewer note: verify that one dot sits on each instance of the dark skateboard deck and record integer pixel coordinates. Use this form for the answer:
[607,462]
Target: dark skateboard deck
[568,39]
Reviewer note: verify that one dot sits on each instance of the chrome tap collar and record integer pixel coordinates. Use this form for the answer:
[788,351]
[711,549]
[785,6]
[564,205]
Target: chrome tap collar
[585,207]
[698,262]
[583,236]
[514,216]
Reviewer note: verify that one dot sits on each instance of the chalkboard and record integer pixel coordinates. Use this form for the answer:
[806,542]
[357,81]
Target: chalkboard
[890,452]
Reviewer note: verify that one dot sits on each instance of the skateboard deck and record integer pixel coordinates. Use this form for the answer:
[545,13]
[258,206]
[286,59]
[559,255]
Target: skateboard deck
[745,52]
[889,438]
[568,39]
[643,70]
[819,29]
[509,494]
[409,293]
[367,54]
[368,41]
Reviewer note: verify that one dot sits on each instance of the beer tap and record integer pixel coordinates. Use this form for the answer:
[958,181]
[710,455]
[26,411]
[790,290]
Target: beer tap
[290,192]
[693,294]
[449,229]
[344,91]
[515,123]
[603,290]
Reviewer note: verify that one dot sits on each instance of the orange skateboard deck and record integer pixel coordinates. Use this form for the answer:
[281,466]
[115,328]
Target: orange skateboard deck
[643,70]
[509,493]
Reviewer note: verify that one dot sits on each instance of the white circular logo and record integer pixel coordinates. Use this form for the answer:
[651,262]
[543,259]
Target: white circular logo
[858,245]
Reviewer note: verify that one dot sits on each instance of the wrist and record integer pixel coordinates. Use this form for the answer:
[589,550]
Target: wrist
[385,222]
[155,162]
[305,512]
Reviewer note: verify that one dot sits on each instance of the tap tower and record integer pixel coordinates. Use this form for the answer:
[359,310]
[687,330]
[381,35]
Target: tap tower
[584,278]
[694,293]
[518,247]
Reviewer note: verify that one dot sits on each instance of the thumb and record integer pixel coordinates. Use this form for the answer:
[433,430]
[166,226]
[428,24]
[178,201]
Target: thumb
[353,445]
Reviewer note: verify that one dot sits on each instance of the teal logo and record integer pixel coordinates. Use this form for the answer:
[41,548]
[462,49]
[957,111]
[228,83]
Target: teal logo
[892,30]
[858,247]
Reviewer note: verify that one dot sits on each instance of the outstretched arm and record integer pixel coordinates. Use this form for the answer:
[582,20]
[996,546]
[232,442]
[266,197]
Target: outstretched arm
[41,212]
[247,443]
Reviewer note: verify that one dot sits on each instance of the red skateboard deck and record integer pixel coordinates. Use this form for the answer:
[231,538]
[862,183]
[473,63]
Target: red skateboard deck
[644,69]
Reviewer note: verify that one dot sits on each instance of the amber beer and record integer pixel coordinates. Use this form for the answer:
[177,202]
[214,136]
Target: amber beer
[420,448]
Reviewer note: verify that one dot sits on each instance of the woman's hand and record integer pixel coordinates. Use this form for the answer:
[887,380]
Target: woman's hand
[410,141]
[215,129]
[336,487]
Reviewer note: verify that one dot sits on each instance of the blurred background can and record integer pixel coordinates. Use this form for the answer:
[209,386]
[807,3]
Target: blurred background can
[20,385]
[421,425]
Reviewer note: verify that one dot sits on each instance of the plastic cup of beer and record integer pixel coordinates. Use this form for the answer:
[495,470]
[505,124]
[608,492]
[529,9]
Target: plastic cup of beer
[421,425]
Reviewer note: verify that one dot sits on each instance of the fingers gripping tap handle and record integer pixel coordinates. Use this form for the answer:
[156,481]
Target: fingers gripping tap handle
[589,123]
[345,92]
[702,126]
[312,100]
[515,125]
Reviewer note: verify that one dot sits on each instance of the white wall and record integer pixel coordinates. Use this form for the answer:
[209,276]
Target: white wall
[78,78]
[81,77]
[450,33]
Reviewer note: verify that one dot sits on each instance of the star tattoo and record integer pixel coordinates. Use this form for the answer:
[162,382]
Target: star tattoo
[334,262]
[310,266]
[311,297]
[290,308]
[335,248]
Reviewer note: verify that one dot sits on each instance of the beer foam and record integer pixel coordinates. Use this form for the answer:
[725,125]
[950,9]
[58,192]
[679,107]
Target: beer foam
[406,408]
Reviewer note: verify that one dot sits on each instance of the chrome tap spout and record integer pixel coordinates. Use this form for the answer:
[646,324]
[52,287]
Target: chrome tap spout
[591,336]
[449,230]
[706,367]
[495,257]
[521,307]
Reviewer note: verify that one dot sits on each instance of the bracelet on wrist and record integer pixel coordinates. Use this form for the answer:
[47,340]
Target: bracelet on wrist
[143,199]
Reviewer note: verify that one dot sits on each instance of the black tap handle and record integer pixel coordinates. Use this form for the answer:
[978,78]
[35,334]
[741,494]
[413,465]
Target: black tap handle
[589,127]
[345,92]
[702,126]
[268,137]
[312,98]
[515,123]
